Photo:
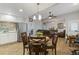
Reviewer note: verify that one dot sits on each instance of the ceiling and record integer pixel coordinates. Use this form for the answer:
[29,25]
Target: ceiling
[30,9]
[60,9]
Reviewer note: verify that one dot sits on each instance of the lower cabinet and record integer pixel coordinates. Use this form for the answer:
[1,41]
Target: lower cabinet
[8,37]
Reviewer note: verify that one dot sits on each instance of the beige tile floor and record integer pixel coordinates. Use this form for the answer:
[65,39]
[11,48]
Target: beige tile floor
[17,49]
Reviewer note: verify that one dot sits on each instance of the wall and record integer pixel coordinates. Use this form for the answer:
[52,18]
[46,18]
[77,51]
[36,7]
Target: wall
[67,19]
[21,27]
[35,25]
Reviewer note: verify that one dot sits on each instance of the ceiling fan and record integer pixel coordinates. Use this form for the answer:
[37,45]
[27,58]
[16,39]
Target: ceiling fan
[51,16]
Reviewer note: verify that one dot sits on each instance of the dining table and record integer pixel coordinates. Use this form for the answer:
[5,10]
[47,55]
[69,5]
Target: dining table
[37,44]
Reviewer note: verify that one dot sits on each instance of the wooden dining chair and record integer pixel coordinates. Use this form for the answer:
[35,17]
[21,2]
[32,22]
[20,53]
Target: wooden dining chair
[37,46]
[54,38]
[25,41]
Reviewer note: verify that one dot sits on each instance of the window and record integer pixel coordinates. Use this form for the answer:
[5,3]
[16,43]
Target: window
[74,27]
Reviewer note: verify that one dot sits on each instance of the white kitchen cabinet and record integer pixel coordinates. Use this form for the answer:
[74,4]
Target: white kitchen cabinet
[8,37]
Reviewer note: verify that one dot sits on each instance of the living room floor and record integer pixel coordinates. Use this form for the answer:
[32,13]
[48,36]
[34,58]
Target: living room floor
[17,48]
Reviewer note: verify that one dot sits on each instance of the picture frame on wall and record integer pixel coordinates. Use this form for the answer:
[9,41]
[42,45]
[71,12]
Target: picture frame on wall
[60,25]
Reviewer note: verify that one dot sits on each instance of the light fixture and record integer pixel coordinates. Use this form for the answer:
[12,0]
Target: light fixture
[51,15]
[38,16]
[20,10]
[34,17]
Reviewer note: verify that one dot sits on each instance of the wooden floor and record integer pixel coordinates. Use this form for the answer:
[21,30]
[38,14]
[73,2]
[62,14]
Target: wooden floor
[16,48]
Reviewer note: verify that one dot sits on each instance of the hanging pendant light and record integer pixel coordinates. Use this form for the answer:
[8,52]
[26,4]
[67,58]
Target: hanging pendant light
[34,17]
[38,16]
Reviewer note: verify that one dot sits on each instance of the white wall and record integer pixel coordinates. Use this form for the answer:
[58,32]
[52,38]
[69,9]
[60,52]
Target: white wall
[67,19]
[35,25]
[22,27]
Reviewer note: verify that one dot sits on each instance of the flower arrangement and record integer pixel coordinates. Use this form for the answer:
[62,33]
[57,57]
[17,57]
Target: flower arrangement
[39,33]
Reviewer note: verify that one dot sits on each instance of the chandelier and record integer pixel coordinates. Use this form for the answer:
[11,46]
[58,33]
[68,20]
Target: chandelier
[38,16]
